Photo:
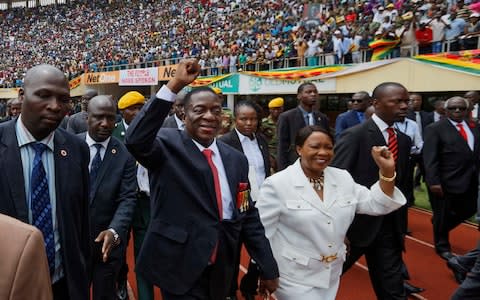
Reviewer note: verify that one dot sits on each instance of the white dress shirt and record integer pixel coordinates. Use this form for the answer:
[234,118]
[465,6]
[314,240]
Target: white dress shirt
[382,126]
[93,149]
[227,201]
[251,149]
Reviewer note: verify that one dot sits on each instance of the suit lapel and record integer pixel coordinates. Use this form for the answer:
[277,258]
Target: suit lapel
[13,171]
[203,171]
[454,132]
[376,135]
[305,190]
[330,192]
[110,153]
[63,160]
[236,141]
[230,169]
[299,119]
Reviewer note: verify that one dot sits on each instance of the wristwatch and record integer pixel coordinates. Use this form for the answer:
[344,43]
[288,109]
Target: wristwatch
[116,237]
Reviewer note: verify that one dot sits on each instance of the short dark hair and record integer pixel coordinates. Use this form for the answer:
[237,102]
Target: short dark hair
[246,103]
[188,96]
[382,86]
[305,132]
[304,85]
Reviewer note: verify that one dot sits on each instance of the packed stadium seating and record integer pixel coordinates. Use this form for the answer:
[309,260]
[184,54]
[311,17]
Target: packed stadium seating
[226,35]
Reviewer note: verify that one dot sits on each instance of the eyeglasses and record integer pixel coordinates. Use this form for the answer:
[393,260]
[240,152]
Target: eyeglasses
[454,108]
[356,101]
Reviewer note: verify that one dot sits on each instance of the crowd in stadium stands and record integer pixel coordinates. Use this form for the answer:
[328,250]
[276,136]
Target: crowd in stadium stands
[226,35]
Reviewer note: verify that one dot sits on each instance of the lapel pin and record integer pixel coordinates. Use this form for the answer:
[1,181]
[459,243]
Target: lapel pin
[114,151]
[63,153]
[123,133]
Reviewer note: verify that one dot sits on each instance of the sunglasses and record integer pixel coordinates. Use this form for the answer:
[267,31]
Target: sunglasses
[356,101]
[454,108]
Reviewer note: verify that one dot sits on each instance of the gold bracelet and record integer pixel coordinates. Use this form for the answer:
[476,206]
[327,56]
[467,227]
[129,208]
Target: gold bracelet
[387,179]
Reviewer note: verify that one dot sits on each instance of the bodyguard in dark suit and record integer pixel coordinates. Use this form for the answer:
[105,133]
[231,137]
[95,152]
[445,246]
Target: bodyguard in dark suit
[255,148]
[290,122]
[77,123]
[415,113]
[423,119]
[113,187]
[178,116]
[199,196]
[451,156]
[44,172]
[379,238]
[360,101]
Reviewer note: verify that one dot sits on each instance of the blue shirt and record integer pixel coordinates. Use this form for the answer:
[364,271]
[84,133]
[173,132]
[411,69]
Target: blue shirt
[27,153]
[457,28]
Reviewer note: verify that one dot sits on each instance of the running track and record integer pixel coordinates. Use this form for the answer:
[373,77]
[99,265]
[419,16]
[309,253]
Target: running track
[426,268]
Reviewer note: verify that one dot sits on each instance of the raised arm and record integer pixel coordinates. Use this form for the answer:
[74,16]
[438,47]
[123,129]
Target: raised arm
[140,138]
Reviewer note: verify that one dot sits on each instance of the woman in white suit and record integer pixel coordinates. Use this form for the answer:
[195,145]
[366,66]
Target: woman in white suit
[307,208]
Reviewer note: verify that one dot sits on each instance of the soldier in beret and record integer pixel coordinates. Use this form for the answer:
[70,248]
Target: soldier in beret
[269,128]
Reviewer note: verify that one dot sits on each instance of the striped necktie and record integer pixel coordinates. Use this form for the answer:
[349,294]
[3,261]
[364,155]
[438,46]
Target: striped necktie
[392,143]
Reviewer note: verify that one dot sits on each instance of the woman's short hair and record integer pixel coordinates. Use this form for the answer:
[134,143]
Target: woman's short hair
[305,132]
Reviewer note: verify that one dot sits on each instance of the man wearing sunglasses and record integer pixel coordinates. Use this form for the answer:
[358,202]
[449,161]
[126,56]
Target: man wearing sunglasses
[360,101]
[451,156]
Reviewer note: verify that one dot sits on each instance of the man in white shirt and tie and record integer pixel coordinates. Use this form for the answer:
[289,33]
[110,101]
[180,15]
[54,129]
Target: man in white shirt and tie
[451,156]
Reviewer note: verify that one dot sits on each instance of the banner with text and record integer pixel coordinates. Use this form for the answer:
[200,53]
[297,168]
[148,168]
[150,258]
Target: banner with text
[147,76]
[166,73]
[258,85]
[101,77]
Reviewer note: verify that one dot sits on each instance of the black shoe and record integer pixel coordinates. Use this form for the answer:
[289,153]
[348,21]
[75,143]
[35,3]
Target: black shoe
[122,293]
[411,289]
[458,271]
[446,255]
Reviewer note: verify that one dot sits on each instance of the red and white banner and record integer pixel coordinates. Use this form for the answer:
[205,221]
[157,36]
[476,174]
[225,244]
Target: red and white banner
[148,76]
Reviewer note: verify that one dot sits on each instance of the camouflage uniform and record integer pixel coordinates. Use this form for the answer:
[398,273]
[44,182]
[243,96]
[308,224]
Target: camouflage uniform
[269,130]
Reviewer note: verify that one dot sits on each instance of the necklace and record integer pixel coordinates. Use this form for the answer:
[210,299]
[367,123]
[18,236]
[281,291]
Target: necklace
[317,183]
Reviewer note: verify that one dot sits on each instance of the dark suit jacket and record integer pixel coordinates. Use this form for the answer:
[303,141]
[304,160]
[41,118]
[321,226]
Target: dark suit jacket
[113,197]
[353,153]
[345,121]
[425,116]
[184,226]
[289,123]
[231,138]
[448,159]
[170,122]
[71,184]
[119,131]
[77,123]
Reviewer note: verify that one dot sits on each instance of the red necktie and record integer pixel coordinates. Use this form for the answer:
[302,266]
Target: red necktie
[462,131]
[392,143]
[218,192]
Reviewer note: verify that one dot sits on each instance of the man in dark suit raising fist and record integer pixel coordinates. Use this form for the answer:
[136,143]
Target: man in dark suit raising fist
[380,238]
[199,196]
